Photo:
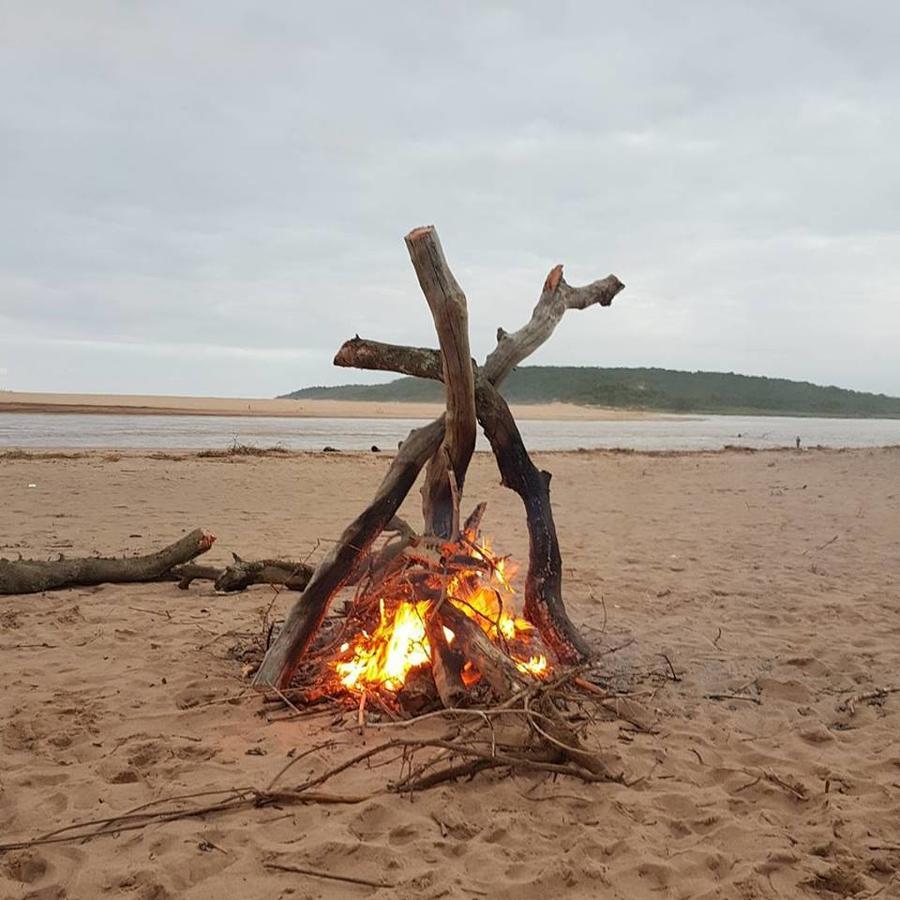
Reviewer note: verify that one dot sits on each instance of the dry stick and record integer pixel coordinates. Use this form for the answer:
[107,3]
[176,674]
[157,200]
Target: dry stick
[724,696]
[501,759]
[241,798]
[451,773]
[325,745]
[878,694]
[610,702]
[571,746]
[331,876]
[244,799]
[135,810]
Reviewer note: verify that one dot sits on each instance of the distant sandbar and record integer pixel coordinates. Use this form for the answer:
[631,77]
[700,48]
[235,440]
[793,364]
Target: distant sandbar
[148,405]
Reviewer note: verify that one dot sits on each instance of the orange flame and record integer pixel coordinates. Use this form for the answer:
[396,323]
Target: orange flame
[399,642]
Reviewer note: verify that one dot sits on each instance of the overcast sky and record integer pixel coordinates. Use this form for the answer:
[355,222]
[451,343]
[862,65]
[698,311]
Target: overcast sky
[209,197]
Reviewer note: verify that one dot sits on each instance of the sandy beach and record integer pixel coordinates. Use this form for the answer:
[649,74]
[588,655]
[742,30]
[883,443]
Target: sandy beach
[24,402]
[771,575]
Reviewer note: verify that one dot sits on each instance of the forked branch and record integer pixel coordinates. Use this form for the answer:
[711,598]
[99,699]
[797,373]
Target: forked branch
[556,297]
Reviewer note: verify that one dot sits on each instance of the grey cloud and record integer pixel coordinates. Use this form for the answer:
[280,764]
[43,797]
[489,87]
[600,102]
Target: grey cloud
[217,179]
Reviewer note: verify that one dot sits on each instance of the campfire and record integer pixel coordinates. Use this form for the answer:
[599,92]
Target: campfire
[436,619]
[401,652]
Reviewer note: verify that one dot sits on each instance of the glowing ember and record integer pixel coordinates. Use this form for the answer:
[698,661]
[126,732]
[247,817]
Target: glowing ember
[399,642]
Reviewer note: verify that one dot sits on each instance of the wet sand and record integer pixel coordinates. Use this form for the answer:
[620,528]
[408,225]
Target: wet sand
[773,575]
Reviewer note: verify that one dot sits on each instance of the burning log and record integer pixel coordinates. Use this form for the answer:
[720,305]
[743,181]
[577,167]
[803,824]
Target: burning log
[446,662]
[498,670]
[30,576]
[412,587]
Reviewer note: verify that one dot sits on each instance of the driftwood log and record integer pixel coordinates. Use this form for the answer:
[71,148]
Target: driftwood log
[447,444]
[30,576]
[447,467]
[242,573]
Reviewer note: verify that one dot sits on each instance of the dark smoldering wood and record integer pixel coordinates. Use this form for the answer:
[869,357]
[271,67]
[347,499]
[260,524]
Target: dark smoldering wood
[447,303]
[556,297]
[29,576]
[337,568]
[544,605]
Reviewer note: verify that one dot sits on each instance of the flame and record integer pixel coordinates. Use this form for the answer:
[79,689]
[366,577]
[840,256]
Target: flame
[399,642]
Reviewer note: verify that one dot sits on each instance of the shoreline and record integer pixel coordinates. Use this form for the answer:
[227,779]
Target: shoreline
[187,454]
[20,402]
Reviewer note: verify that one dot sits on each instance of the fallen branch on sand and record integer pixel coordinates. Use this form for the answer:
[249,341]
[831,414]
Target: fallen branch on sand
[31,576]
[172,563]
[242,573]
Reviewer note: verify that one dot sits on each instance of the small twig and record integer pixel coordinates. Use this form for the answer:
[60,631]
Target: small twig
[674,674]
[285,699]
[325,745]
[746,697]
[152,612]
[331,876]
[43,646]
[878,694]
[361,712]
[798,792]
[821,546]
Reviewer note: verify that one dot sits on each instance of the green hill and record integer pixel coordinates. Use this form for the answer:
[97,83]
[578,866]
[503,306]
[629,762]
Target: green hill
[662,390]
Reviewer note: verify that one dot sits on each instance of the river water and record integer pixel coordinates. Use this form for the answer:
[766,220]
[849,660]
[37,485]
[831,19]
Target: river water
[73,430]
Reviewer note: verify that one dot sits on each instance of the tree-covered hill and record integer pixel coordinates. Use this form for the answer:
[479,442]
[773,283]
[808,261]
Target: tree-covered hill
[663,390]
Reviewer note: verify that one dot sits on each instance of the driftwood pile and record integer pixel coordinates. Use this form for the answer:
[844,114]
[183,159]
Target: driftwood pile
[444,448]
